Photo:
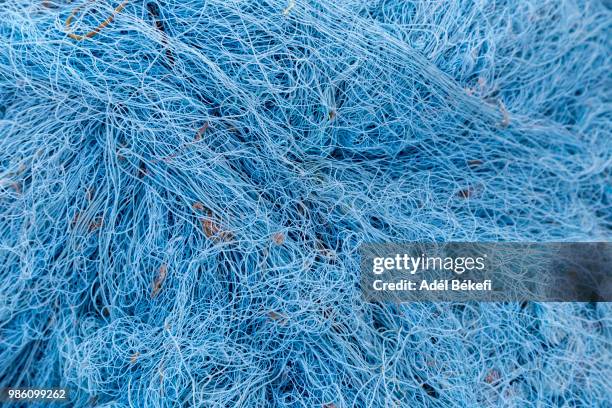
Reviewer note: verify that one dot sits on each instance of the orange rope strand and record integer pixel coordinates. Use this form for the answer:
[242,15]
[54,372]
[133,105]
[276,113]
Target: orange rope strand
[96,30]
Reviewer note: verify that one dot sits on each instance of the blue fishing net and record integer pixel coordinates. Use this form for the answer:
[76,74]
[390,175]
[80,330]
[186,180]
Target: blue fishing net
[184,186]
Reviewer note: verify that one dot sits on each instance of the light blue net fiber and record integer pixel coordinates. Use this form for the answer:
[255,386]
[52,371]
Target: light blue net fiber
[183,195]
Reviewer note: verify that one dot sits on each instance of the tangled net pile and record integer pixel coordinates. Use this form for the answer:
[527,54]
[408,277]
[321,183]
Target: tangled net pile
[184,189]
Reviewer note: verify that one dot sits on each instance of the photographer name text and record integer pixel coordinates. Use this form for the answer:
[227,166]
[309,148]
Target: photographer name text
[406,285]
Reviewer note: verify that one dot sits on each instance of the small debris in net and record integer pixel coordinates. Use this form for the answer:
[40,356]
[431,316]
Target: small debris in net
[466,193]
[161,276]
[201,132]
[277,317]
[482,83]
[49,4]
[213,230]
[96,224]
[278,238]
[134,357]
[198,206]
[492,377]
[169,158]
